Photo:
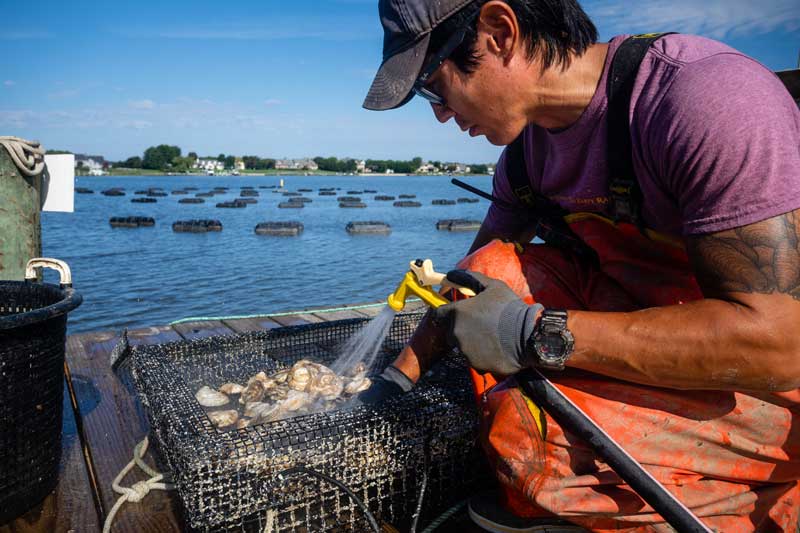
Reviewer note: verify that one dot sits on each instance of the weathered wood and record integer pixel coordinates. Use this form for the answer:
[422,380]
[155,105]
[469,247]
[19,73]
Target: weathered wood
[113,423]
[70,507]
[297,319]
[202,329]
[246,325]
[371,311]
[20,238]
[329,316]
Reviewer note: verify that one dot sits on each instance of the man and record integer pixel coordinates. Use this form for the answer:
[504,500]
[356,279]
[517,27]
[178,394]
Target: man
[679,337]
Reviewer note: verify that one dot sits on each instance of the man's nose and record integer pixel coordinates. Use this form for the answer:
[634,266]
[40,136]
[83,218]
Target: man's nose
[442,112]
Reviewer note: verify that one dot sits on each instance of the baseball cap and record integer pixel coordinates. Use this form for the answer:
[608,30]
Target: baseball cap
[407,26]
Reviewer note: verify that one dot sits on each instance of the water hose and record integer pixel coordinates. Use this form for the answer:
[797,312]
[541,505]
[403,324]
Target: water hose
[545,395]
[311,472]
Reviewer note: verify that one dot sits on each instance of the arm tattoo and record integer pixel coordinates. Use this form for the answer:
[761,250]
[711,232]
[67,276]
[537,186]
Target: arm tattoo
[759,258]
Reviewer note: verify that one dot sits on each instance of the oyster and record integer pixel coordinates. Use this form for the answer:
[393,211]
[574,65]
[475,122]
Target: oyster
[208,397]
[265,412]
[251,409]
[301,375]
[223,419]
[231,388]
[326,384]
[254,392]
[357,385]
[295,401]
[358,370]
[278,393]
[281,376]
[306,387]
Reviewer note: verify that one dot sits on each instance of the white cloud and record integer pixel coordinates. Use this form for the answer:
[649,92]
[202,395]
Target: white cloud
[141,104]
[272,101]
[713,18]
[9,83]
[135,124]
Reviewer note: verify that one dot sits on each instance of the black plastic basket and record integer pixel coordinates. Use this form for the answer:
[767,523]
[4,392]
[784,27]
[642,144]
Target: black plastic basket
[237,480]
[33,324]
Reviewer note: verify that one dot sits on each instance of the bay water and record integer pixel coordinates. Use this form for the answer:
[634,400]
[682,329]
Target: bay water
[153,276]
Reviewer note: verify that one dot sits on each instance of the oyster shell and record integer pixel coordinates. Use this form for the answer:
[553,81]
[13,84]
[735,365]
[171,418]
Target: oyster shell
[357,385]
[281,376]
[301,375]
[231,388]
[326,384]
[295,401]
[358,370]
[223,419]
[278,393]
[266,412]
[208,397]
[254,392]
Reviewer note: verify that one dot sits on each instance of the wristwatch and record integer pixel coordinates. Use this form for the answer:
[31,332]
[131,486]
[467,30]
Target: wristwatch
[550,344]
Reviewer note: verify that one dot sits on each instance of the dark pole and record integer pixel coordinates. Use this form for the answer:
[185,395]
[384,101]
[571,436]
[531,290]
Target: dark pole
[571,417]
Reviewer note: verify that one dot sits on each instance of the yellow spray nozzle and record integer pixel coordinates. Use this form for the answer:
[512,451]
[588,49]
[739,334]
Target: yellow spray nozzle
[419,280]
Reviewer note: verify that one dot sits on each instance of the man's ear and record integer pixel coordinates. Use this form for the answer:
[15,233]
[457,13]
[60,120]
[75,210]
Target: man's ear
[497,24]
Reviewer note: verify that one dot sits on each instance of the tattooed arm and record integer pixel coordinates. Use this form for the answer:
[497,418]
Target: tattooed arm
[743,336]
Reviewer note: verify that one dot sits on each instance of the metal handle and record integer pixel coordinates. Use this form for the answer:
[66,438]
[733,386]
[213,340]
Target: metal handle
[49,262]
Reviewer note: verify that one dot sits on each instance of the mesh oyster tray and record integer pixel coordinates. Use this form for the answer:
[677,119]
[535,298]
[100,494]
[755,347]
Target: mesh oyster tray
[256,478]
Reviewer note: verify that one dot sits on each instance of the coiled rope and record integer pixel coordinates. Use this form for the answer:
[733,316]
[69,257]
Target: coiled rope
[27,155]
[138,490]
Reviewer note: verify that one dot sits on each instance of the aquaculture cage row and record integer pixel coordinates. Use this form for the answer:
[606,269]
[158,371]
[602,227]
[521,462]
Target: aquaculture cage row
[289,227]
[267,477]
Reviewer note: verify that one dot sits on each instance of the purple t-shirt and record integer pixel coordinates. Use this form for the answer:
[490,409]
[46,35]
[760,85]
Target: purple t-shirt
[716,144]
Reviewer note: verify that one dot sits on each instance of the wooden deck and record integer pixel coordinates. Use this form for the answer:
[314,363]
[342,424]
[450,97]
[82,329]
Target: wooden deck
[103,423]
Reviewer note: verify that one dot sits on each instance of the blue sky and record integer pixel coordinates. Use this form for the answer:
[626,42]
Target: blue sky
[274,78]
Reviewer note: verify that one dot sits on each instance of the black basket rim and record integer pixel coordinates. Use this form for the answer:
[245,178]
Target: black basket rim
[68,302]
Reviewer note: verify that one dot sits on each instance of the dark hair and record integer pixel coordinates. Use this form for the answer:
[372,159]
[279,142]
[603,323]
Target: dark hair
[553,28]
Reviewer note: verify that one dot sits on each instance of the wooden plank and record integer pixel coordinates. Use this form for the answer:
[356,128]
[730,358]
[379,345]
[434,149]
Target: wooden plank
[113,423]
[298,319]
[371,312]
[246,325]
[328,316]
[202,329]
[70,507]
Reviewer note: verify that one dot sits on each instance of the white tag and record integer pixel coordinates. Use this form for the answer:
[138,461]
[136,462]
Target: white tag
[59,191]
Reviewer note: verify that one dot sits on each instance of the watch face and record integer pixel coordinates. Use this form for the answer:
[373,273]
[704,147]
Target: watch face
[549,347]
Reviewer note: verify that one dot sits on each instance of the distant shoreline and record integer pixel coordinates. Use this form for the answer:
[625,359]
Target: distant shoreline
[135,172]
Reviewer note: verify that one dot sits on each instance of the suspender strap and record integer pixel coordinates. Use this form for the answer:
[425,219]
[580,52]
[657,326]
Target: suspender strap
[517,174]
[625,192]
[546,215]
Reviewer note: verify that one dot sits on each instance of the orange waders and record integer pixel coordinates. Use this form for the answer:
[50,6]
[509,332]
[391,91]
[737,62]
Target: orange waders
[732,458]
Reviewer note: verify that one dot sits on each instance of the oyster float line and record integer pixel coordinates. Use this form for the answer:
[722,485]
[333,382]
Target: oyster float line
[306,387]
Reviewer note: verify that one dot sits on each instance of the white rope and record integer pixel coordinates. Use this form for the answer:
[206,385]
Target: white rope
[27,155]
[138,490]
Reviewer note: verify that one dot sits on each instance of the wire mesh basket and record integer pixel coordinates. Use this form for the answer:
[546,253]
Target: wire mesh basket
[33,324]
[256,478]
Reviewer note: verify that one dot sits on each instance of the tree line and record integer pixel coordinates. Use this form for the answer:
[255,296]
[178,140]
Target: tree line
[169,158]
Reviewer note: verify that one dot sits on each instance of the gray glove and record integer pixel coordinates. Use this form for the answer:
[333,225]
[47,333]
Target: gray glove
[491,328]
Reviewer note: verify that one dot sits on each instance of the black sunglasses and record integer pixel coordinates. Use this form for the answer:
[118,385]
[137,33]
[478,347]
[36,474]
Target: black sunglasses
[436,61]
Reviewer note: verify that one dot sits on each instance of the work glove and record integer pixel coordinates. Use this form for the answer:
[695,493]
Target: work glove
[392,382]
[490,328]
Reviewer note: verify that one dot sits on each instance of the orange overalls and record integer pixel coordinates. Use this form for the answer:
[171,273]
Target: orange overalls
[732,458]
